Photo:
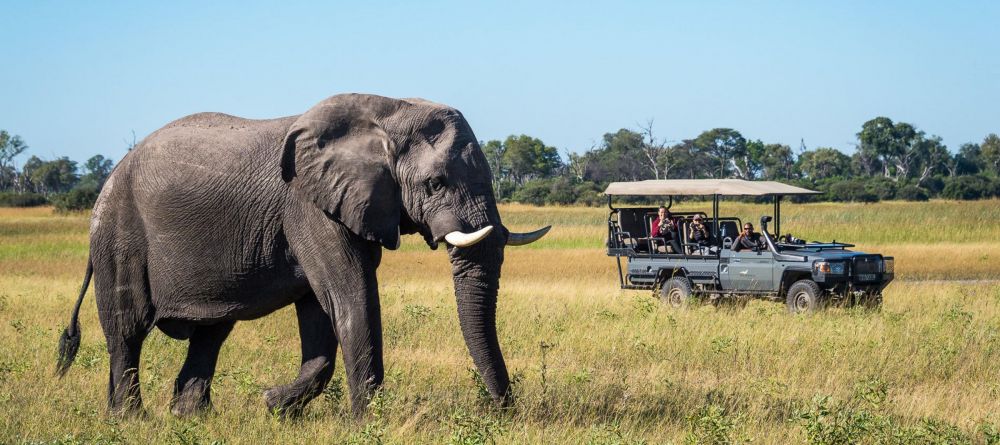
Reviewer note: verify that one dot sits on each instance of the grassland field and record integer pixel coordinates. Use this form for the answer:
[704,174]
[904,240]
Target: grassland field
[591,363]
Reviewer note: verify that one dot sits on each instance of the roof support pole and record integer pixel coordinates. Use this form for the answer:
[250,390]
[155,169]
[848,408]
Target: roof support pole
[715,216]
[777,216]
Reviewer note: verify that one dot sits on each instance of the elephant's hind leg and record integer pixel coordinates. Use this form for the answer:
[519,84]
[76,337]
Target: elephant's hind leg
[192,390]
[126,315]
[319,349]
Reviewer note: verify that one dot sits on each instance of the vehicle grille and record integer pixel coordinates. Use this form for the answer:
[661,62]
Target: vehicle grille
[867,268]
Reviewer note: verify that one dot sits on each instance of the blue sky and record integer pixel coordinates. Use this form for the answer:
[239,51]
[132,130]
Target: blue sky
[80,77]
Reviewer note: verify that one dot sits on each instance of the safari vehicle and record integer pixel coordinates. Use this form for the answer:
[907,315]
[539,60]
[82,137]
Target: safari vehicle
[806,275]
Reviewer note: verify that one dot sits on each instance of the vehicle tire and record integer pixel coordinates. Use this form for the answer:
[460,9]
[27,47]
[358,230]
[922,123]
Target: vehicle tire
[676,292]
[804,296]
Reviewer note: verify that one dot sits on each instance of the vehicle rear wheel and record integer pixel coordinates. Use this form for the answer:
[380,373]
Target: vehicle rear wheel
[676,292]
[803,296]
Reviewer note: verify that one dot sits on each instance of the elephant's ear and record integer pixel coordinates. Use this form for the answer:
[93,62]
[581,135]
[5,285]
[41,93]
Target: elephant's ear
[339,159]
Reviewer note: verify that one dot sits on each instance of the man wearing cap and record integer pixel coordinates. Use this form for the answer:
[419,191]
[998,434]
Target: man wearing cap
[699,233]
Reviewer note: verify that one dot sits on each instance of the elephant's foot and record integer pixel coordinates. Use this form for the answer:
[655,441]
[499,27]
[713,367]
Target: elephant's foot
[192,399]
[126,401]
[287,401]
[129,408]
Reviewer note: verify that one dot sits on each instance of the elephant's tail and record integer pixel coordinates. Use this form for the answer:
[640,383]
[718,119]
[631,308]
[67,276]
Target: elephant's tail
[69,342]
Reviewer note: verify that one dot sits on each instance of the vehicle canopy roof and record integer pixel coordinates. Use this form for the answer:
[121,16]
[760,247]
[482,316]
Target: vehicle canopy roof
[692,187]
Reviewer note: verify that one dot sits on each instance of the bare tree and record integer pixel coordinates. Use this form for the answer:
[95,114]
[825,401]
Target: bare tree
[654,149]
[10,147]
[577,163]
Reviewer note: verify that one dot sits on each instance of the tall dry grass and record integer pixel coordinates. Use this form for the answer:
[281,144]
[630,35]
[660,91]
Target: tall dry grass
[591,363]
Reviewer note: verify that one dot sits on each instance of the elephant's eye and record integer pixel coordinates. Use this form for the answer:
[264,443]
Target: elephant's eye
[435,185]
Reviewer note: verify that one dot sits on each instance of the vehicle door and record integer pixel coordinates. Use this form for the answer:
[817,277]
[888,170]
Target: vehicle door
[747,270]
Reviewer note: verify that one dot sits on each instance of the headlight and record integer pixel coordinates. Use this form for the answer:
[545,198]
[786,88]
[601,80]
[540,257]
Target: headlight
[837,268]
[828,267]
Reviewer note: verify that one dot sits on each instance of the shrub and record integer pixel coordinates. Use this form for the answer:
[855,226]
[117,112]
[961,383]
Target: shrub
[505,189]
[851,191]
[912,193]
[11,199]
[882,187]
[561,192]
[934,185]
[75,200]
[967,188]
[533,192]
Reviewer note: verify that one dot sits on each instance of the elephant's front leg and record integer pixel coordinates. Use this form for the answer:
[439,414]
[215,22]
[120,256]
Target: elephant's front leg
[340,268]
[319,349]
[358,318]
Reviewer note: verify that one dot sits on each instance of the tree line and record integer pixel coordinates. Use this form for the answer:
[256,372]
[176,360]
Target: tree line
[62,182]
[892,160]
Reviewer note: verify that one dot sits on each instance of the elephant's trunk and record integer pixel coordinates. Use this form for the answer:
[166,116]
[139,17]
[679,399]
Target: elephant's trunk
[476,272]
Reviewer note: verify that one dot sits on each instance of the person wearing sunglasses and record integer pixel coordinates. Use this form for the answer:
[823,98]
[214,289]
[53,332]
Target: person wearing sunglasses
[747,240]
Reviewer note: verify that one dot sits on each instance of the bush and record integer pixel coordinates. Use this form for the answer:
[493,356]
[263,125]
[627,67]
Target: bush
[934,185]
[967,188]
[589,194]
[806,184]
[912,193]
[11,199]
[882,187]
[851,191]
[561,192]
[505,189]
[534,192]
[75,200]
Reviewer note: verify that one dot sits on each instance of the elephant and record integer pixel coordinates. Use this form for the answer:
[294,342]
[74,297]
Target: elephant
[214,219]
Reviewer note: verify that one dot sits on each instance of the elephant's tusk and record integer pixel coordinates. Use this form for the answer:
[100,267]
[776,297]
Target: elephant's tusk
[520,239]
[461,239]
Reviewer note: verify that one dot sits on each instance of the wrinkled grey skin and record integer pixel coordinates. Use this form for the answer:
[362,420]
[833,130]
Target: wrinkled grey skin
[214,219]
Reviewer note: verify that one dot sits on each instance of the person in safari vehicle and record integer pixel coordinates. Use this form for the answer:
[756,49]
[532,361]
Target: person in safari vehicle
[664,227]
[748,239]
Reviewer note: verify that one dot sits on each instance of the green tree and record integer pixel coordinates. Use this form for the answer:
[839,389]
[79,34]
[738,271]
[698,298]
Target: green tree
[968,161]
[990,149]
[823,163]
[97,171]
[48,177]
[530,158]
[619,158]
[752,161]
[688,162]
[778,162]
[932,157]
[723,146]
[895,145]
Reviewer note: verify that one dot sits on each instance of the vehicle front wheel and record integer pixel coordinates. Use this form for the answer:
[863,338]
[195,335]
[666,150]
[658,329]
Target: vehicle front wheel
[803,296]
[676,292]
